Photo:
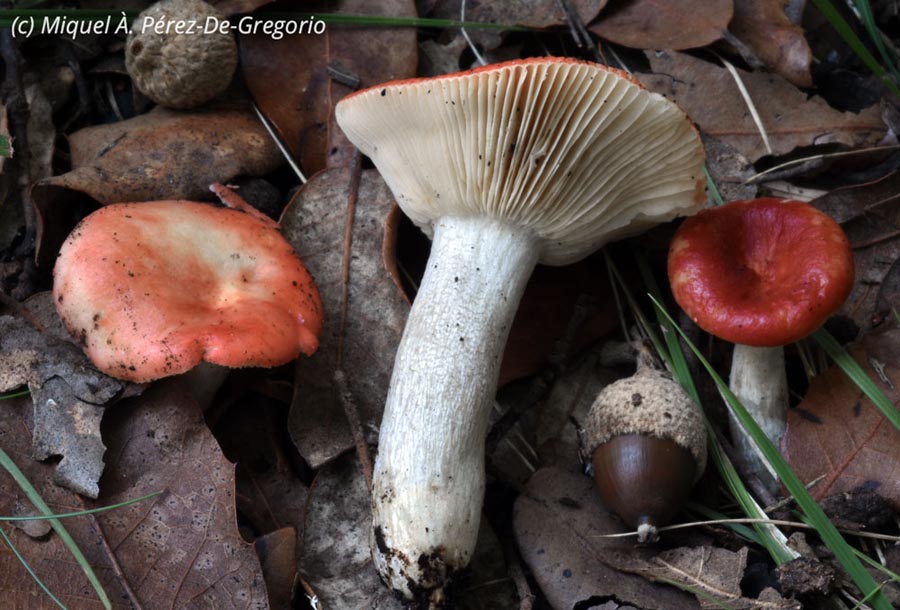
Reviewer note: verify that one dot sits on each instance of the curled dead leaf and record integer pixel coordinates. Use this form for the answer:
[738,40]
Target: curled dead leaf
[164,154]
[790,117]
[664,24]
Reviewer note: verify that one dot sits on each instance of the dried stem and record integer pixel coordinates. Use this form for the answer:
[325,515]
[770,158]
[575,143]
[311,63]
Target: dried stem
[351,411]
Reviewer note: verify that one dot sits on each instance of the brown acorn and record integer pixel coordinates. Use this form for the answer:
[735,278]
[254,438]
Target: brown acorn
[647,444]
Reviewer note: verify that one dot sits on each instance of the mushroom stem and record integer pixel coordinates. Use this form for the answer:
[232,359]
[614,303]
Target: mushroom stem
[759,381]
[429,474]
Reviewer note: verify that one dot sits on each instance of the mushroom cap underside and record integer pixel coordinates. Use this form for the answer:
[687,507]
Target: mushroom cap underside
[763,272]
[576,152]
[151,289]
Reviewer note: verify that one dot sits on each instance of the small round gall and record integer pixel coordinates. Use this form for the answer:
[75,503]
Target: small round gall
[174,60]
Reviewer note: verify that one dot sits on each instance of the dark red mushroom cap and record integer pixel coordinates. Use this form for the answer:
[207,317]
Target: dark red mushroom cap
[763,272]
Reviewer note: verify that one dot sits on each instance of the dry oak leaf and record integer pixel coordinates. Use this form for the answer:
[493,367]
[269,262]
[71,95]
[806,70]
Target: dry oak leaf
[68,395]
[711,98]
[559,522]
[291,78]
[779,43]
[837,432]
[664,24]
[179,550]
[537,14]
[314,223]
[714,575]
[870,216]
[336,561]
[163,154]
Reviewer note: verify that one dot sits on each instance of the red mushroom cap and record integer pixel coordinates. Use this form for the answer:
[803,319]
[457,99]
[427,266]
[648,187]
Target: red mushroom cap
[151,289]
[763,272]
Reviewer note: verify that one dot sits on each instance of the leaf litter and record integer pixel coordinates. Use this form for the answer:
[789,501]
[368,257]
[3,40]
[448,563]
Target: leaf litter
[298,493]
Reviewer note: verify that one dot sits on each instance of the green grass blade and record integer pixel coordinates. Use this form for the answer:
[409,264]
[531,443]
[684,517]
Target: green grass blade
[738,528]
[81,513]
[770,536]
[28,569]
[38,502]
[680,368]
[857,375]
[712,188]
[15,394]
[843,552]
[843,28]
[868,19]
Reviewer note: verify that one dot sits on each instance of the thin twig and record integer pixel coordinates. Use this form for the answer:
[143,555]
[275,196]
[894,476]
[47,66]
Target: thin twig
[114,563]
[462,17]
[277,139]
[345,395]
[749,521]
[749,102]
[579,33]
[779,169]
[351,411]
[352,198]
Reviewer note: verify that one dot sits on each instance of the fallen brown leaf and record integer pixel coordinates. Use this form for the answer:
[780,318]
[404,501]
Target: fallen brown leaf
[664,24]
[536,14]
[838,433]
[277,552]
[181,549]
[790,117]
[779,43]
[164,154]
[870,215]
[290,80]
[68,395]
[714,575]
[314,223]
[178,550]
[335,558]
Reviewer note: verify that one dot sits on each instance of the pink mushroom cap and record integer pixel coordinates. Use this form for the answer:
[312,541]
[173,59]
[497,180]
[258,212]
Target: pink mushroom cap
[152,289]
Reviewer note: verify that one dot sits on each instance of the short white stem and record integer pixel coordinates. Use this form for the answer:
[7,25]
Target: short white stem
[759,381]
[429,474]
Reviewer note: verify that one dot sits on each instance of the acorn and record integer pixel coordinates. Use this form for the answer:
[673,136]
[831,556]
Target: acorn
[185,66]
[647,443]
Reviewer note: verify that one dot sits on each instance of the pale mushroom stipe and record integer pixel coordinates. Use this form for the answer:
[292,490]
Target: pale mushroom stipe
[152,289]
[506,166]
[760,273]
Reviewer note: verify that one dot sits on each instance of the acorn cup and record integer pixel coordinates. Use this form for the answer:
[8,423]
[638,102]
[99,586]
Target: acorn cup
[647,444]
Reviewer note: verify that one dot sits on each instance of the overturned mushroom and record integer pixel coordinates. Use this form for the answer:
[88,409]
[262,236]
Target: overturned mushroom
[152,289]
[506,166]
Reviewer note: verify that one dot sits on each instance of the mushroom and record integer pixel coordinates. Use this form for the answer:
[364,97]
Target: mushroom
[760,273]
[152,289]
[541,160]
